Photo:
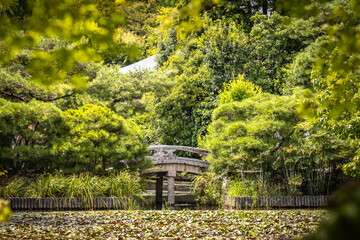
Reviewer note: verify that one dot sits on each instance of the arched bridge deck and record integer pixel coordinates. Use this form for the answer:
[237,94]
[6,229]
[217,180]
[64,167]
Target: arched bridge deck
[172,148]
[166,163]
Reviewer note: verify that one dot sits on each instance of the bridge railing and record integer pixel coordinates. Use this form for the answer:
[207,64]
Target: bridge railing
[172,148]
[164,154]
[182,160]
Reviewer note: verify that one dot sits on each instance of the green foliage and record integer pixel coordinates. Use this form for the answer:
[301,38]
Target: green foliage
[88,117]
[335,108]
[221,52]
[242,188]
[141,15]
[324,23]
[300,70]
[85,24]
[313,160]
[223,49]
[46,186]
[40,128]
[341,26]
[194,97]
[180,116]
[238,90]
[217,51]
[322,151]
[272,46]
[241,11]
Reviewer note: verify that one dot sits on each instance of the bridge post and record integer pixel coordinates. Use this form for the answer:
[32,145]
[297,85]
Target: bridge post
[167,164]
[159,192]
[171,188]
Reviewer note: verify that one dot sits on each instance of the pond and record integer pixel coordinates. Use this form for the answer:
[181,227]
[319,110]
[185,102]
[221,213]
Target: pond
[164,224]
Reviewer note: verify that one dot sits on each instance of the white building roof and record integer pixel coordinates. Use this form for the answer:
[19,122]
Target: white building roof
[145,64]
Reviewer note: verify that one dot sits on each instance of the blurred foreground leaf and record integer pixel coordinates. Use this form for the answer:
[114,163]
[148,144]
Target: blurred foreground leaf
[344,216]
[87,26]
[5,211]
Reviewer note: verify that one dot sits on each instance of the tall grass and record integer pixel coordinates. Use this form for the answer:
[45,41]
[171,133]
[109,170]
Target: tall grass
[238,187]
[15,188]
[126,185]
[252,187]
[47,186]
[85,186]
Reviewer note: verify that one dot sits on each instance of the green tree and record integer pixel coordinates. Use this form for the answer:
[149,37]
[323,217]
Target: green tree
[27,132]
[272,47]
[39,137]
[316,156]
[334,104]
[241,132]
[123,93]
[183,114]
[16,85]
[264,133]
[208,59]
[97,139]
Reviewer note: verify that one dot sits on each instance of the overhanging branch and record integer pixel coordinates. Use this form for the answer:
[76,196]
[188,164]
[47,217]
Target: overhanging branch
[24,99]
[50,99]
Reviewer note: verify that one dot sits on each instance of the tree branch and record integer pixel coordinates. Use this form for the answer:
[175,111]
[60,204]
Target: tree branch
[24,99]
[118,99]
[50,99]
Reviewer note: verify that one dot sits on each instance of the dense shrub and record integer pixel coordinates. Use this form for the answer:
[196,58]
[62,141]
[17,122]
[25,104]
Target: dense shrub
[208,188]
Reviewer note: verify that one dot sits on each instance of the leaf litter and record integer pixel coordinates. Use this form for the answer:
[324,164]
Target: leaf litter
[185,224]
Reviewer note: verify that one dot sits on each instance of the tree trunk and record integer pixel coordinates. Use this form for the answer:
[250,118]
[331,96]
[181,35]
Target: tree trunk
[264,6]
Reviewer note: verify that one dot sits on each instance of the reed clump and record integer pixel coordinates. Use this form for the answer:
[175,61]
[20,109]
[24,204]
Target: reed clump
[125,184]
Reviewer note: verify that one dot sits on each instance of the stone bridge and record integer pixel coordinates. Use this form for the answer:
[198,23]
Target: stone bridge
[167,164]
